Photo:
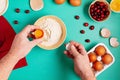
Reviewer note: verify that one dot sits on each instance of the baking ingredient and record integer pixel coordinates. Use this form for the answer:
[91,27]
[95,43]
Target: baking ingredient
[87,40]
[114,42]
[38,33]
[15,22]
[17,10]
[86,24]
[77,17]
[3,6]
[100,50]
[107,59]
[99,11]
[82,31]
[68,46]
[98,66]
[105,33]
[115,5]
[59,1]
[53,31]
[92,57]
[92,28]
[27,11]
[75,2]
[36,4]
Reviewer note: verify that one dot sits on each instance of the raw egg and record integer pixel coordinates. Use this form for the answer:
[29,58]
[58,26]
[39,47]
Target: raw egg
[38,33]
[92,57]
[100,50]
[98,66]
[59,1]
[75,2]
[107,59]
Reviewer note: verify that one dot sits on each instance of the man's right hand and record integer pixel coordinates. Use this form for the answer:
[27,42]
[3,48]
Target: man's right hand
[81,61]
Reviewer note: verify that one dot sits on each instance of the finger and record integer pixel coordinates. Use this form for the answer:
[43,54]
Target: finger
[68,54]
[76,44]
[81,49]
[74,51]
[36,41]
[29,28]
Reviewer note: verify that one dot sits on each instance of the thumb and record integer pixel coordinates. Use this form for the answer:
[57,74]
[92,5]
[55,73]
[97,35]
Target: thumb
[74,51]
[36,41]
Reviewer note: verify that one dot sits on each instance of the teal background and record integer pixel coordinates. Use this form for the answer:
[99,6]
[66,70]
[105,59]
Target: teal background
[53,64]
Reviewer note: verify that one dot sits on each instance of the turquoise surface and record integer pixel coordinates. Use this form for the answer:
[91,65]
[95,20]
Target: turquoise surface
[53,64]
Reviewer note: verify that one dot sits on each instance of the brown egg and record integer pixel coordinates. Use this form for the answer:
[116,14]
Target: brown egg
[75,2]
[100,50]
[107,59]
[98,66]
[92,57]
[59,1]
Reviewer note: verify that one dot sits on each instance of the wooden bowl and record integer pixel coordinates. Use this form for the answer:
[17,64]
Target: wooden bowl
[108,9]
[63,28]
[4,7]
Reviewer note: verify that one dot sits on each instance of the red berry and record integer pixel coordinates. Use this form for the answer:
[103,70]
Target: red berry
[17,10]
[87,40]
[92,28]
[98,11]
[94,17]
[86,24]
[102,4]
[27,11]
[77,17]
[102,16]
[15,22]
[92,6]
[82,31]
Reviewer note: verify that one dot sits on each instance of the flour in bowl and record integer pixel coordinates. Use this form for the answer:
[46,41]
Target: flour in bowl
[3,4]
[53,31]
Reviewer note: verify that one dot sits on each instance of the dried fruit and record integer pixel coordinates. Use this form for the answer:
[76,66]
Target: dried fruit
[77,17]
[27,11]
[87,40]
[82,31]
[15,22]
[92,28]
[17,10]
[86,24]
[99,11]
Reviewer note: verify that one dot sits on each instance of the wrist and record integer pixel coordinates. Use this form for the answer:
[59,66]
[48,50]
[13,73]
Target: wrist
[13,56]
[88,75]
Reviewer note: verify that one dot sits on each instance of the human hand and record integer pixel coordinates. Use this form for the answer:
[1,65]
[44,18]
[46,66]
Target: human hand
[81,61]
[21,45]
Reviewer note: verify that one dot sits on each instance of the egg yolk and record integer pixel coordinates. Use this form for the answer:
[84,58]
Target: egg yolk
[38,33]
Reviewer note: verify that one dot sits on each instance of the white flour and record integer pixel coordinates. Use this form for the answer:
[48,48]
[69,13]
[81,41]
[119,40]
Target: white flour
[52,30]
[2,5]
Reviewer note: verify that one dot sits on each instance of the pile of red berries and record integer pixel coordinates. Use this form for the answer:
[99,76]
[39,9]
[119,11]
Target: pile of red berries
[99,11]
